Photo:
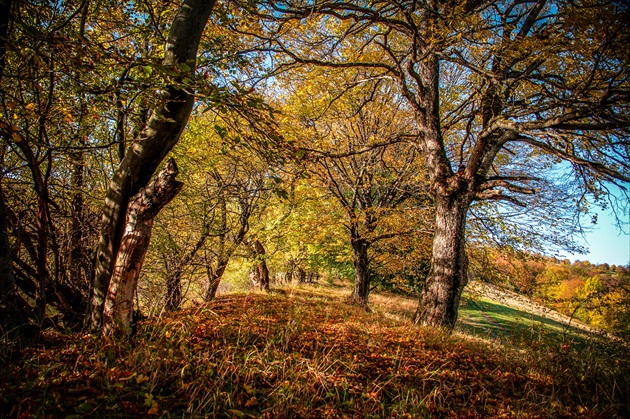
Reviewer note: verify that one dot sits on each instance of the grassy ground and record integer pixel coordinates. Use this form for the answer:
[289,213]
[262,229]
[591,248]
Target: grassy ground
[493,319]
[302,352]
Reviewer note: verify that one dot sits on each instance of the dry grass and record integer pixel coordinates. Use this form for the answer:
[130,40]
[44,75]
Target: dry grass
[298,352]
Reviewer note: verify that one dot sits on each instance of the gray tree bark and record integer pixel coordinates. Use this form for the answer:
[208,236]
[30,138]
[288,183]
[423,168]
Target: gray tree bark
[443,288]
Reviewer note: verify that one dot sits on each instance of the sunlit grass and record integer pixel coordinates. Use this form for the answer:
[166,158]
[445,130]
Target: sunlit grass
[300,351]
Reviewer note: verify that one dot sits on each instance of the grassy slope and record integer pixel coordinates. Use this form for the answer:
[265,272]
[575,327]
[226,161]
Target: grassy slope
[495,319]
[302,352]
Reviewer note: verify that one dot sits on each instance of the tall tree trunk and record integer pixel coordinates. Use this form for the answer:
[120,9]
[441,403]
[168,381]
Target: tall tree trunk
[453,193]
[76,260]
[174,289]
[160,134]
[42,250]
[8,304]
[361,290]
[143,207]
[42,224]
[440,296]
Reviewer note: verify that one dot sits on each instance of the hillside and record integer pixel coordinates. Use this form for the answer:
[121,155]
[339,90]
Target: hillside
[302,352]
[491,311]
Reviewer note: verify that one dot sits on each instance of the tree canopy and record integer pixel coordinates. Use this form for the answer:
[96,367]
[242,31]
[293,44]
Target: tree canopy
[319,136]
[493,87]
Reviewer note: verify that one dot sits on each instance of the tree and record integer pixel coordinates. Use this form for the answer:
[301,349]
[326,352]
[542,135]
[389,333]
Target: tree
[141,212]
[38,129]
[491,84]
[228,187]
[260,272]
[159,135]
[84,88]
[11,315]
[360,151]
[305,233]
[8,290]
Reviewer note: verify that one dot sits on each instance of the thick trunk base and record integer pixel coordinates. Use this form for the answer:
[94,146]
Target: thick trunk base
[361,291]
[143,207]
[442,291]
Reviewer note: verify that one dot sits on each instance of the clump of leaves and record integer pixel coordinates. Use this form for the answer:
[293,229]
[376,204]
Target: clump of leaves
[303,353]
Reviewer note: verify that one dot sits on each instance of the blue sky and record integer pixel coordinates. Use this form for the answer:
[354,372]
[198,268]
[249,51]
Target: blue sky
[606,243]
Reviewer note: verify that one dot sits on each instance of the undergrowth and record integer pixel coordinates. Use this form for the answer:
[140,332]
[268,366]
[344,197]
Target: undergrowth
[305,353]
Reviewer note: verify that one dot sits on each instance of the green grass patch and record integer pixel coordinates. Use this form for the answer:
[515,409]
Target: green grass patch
[493,319]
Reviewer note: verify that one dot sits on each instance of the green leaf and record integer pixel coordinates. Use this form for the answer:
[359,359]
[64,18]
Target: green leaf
[282,194]
[184,67]
[148,399]
[220,130]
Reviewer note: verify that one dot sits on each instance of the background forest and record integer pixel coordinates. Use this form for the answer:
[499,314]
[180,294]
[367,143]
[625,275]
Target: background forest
[158,156]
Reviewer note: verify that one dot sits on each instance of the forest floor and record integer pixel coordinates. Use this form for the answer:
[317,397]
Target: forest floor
[301,351]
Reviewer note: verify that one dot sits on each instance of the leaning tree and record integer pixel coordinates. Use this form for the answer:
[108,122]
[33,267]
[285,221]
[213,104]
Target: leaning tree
[494,86]
[129,194]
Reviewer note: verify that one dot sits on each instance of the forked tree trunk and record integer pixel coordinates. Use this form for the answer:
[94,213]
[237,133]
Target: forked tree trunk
[214,278]
[159,135]
[143,207]
[361,290]
[440,296]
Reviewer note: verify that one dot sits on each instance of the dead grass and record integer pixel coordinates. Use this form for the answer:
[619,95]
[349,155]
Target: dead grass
[299,352]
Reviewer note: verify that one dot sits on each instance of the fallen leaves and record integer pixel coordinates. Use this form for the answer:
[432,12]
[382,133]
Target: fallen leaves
[306,354]
[151,403]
